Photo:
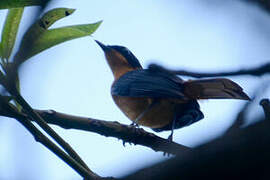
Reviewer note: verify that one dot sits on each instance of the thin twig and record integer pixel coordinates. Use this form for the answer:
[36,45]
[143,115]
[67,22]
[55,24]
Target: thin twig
[35,116]
[258,71]
[10,86]
[39,137]
[129,134]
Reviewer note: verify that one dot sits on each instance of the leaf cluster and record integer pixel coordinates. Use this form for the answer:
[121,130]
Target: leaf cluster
[38,38]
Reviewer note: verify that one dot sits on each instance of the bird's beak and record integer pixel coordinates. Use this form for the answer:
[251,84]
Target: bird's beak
[103,47]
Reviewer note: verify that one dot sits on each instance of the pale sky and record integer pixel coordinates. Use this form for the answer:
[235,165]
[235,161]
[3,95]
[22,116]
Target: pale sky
[74,77]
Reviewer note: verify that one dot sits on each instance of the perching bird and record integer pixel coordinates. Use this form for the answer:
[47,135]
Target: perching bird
[158,99]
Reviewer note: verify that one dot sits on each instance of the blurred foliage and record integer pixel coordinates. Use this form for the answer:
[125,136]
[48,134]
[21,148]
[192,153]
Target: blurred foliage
[265,4]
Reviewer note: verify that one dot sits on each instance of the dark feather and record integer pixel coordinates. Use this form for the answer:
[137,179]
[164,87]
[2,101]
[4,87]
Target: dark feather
[147,83]
[217,88]
[185,115]
[131,58]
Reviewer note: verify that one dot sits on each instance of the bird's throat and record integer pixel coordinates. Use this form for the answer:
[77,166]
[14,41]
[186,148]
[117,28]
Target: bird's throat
[118,64]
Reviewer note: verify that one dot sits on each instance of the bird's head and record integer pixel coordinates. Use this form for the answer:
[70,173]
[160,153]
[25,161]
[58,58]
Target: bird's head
[120,59]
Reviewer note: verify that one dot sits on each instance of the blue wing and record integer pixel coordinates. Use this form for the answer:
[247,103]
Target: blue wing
[148,83]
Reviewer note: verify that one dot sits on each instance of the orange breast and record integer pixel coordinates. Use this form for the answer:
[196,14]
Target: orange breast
[158,116]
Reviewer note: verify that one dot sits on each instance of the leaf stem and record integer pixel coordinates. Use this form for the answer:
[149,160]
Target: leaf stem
[36,117]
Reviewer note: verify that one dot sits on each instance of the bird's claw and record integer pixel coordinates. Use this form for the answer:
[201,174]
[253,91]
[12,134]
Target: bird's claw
[166,154]
[170,137]
[124,143]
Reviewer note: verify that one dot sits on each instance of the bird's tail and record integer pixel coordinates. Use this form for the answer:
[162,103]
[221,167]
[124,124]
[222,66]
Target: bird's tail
[219,88]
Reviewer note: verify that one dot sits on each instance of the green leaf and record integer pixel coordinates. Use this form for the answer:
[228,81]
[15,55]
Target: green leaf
[54,15]
[10,30]
[56,36]
[17,84]
[37,29]
[8,4]
[1,54]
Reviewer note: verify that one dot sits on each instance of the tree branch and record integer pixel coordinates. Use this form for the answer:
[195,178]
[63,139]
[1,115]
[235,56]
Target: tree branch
[8,110]
[244,153]
[49,130]
[127,133]
[258,71]
[265,103]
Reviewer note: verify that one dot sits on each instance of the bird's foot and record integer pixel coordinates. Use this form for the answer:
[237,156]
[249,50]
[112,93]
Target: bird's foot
[166,154]
[170,137]
[124,143]
[135,128]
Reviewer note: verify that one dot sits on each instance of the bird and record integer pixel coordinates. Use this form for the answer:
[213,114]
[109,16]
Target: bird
[157,98]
